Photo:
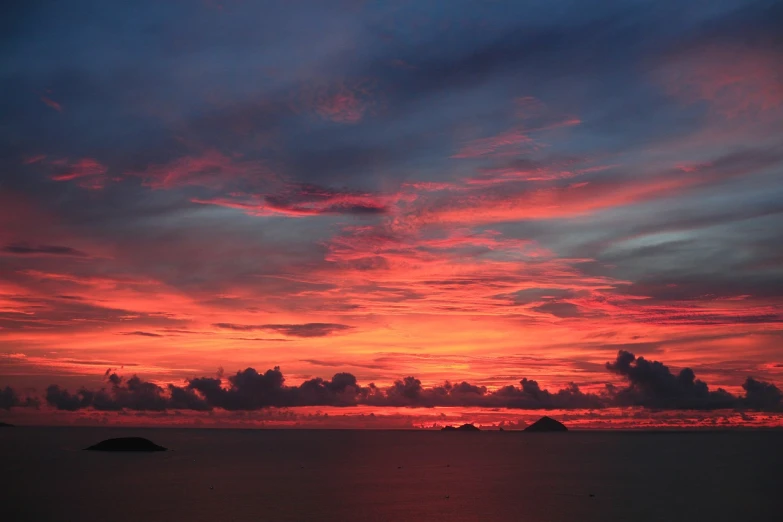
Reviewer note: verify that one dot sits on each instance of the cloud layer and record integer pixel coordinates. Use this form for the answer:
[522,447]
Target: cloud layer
[649,384]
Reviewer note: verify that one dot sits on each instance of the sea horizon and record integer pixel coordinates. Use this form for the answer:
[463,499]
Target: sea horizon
[390,475]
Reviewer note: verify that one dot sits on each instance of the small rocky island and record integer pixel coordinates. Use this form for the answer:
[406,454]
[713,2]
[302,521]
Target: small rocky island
[464,427]
[126,444]
[546,424]
[6,425]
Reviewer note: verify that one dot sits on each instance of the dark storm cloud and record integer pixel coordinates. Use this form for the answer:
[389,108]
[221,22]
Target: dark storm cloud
[293,330]
[652,384]
[762,396]
[649,384]
[530,396]
[250,390]
[9,398]
[23,248]
[133,394]
[65,400]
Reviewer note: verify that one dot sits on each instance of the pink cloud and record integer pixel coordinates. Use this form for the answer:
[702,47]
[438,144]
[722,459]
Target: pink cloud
[492,176]
[514,140]
[299,200]
[88,172]
[211,169]
[51,103]
[503,196]
[735,81]
[34,159]
[339,102]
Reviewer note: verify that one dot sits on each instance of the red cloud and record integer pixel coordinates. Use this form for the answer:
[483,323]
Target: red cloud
[735,81]
[212,169]
[300,200]
[34,159]
[51,103]
[88,171]
[505,199]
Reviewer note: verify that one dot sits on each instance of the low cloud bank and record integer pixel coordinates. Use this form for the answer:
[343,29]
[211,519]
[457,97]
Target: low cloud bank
[648,384]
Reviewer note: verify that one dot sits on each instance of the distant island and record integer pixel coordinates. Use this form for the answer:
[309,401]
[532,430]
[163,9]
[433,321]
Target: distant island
[6,425]
[126,444]
[546,424]
[464,427]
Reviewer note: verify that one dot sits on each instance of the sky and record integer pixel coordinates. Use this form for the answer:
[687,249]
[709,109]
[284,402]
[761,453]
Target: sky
[411,210]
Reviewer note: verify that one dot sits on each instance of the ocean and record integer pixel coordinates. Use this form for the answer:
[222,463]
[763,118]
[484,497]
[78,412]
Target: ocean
[322,475]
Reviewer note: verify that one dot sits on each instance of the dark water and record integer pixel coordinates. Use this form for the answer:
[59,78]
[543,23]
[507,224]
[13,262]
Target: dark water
[224,475]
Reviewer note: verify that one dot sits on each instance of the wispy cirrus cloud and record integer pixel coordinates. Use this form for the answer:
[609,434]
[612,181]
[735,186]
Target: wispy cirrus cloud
[299,200]
[88,173]
[210,169]
[519,140]
[734,80]
[51,103]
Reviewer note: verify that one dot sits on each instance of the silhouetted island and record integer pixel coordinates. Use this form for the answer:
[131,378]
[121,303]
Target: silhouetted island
[126,444]
[546,424]
[6,425]
[464,427]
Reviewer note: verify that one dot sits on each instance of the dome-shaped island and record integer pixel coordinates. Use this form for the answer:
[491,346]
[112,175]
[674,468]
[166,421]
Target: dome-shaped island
[126,444]
[546,424]
[464,427]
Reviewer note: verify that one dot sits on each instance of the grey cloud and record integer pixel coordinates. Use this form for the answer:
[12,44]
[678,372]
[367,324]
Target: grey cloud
[652,384]
[24,248]
[649,384]
[293,330]
[9,398]
[142,334]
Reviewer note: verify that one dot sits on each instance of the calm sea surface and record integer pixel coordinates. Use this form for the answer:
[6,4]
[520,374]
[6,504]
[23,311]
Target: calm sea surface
[243,475]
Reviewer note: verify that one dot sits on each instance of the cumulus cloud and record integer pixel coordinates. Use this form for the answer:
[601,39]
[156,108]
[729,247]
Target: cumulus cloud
[131,394]
[649,384]
[763,396]
[652,384]
[9,398]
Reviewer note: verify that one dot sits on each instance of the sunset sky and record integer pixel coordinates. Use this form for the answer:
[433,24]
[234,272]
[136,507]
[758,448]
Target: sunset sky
[477,192]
